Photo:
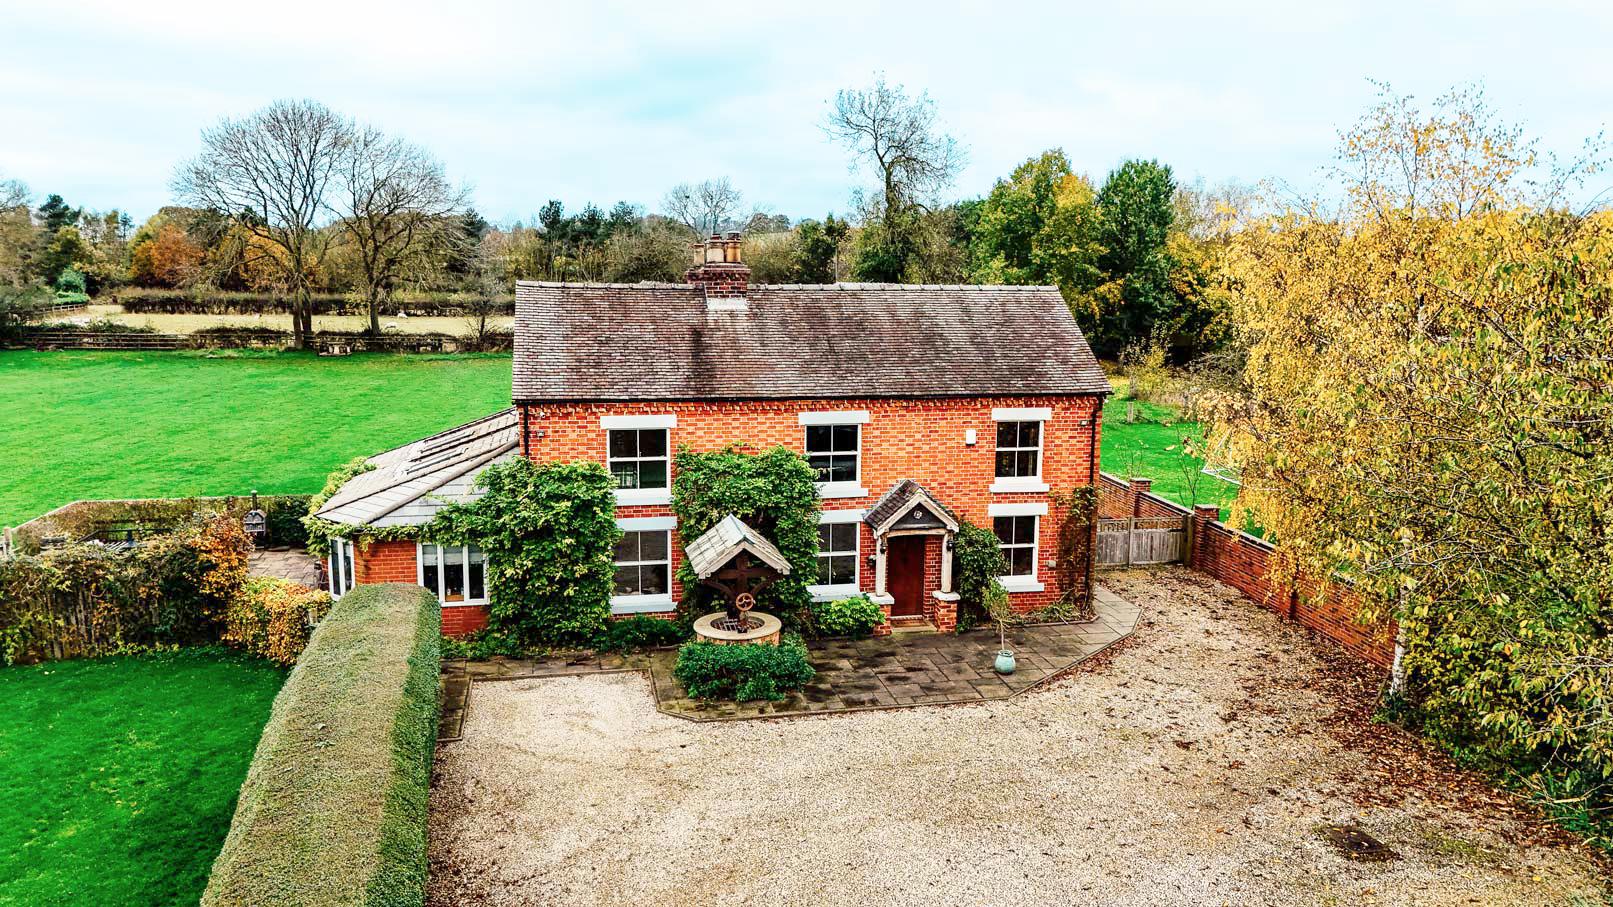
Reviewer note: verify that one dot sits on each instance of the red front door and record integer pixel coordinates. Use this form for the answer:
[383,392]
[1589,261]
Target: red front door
[904,575]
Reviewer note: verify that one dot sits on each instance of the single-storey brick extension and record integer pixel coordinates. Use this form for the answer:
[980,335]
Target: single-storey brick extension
[919,406]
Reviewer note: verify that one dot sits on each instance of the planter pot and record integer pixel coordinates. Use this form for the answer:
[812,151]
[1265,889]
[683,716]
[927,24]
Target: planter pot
[1005,662]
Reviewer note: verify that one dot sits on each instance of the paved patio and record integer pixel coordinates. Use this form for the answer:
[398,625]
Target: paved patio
[902,670]
[286,563]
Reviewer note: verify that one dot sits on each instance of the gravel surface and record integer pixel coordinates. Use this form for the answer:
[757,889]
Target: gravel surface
[1193,764]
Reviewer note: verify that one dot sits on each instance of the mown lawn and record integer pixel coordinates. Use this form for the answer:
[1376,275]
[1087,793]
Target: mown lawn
[1151,446]
[118,776]
[107,425]
[79,425]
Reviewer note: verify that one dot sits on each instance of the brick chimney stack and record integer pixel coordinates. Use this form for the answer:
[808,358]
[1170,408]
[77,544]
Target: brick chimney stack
[719,270]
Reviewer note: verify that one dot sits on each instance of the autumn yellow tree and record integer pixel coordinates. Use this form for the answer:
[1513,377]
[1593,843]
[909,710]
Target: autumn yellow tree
[1428,409]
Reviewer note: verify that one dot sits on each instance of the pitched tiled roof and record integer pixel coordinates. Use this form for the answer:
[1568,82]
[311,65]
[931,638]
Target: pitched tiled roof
[409,484]
[658,342]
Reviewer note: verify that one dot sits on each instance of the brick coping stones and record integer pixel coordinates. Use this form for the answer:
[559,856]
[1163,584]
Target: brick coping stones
[900,671]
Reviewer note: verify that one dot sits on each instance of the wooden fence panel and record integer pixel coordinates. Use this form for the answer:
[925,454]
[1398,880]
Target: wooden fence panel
[1141,541]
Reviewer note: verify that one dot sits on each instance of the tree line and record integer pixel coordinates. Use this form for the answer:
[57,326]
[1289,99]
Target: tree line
[295,199]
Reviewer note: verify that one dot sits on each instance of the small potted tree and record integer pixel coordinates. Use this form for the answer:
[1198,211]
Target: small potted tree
[997,606]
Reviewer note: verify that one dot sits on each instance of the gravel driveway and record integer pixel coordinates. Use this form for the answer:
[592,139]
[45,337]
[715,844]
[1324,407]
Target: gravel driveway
[1194,764]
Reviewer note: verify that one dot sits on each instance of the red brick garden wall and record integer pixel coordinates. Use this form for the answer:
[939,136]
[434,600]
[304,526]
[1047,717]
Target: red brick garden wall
[1244,562]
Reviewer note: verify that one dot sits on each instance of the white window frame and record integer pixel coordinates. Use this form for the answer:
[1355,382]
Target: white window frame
[640,604]
[442,564]
[842,590]
[1021,484]
[666,422]
[1037,511]
[856,418]
[341,564]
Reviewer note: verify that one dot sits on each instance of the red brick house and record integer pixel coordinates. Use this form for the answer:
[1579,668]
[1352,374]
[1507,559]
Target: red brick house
[919,406]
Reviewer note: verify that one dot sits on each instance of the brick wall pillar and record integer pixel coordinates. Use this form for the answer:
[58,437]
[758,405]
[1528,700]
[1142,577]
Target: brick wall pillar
[1139,487]
[1204,515]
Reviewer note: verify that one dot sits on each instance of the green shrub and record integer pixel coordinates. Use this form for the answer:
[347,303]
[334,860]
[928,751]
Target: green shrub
[745,672]
[639,632]
[977,563]
[482,645]
[70,286]
[775,493]
[855,616]
[283,515]
[550,534]
[333,810]
[81,600]
[274,618]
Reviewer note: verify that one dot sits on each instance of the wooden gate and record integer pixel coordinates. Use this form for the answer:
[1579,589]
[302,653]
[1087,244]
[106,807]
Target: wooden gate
[1141,541]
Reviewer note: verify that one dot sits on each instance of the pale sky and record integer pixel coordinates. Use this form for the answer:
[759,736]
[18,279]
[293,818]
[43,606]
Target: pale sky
[602,101]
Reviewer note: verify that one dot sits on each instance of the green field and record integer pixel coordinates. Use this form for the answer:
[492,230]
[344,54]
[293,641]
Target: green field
[118,776]
[1152,447]
[77,425]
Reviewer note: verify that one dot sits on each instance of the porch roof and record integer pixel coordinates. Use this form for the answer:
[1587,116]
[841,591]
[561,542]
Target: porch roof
[901,496]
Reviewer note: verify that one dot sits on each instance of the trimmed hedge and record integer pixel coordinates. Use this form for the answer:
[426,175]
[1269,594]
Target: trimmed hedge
[711,670]
[227,302]
[274,618]
[333,810]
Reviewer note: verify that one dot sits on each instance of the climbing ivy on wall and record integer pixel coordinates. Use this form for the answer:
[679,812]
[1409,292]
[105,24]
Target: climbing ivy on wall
[977,563]
[549,532]
[774,492]
[1077,546]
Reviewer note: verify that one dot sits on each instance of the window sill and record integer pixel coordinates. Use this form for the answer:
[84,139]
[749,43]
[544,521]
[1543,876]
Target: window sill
[833,593]
[465,604]
[629,496]
[640,604]
[842,490]
[1021,584]
[1011,486]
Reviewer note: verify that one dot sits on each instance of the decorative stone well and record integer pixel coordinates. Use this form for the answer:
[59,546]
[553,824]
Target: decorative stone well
[737,561]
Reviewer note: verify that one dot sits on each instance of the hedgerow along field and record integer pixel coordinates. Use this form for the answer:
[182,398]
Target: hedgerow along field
[78,425]
[118,776]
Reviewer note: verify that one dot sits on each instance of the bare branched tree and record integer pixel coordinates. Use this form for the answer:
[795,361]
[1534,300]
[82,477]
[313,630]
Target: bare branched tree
[14,193]
[396,204]
[704,208]
[898,137]
[272,173]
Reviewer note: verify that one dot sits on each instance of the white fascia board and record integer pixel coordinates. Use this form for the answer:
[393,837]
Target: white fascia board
[669,420]
[1017,509]
[1022,414]
[848,417]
